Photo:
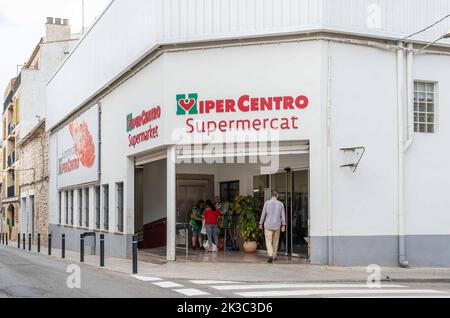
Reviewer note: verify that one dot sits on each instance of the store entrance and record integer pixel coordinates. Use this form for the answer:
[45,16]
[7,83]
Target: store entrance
[293,190]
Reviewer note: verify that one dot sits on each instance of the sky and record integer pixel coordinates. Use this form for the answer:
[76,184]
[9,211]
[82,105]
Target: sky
[22,24]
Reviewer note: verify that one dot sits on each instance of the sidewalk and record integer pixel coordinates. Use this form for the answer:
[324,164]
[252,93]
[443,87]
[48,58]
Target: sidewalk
[254,272]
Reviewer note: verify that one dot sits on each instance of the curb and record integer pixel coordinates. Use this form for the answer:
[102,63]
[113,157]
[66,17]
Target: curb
[385,280]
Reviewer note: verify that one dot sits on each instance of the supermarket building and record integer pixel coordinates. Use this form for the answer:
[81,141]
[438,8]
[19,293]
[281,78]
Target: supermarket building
[323,101]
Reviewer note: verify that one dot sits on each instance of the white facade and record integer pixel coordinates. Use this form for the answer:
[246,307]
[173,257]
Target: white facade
[352,88]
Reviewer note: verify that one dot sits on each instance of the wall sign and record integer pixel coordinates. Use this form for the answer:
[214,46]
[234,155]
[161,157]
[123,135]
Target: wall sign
[190,105]
[78,150]
[144,124]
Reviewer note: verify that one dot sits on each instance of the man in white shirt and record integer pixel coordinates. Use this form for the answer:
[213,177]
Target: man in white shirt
[273,222]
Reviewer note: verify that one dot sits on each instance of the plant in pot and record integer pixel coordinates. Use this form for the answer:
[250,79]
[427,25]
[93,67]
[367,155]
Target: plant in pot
[247,208]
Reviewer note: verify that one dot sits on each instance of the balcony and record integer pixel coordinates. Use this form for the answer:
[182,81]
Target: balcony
[17,83]
[11,128]
[11,159]
[8,101]
[14,89]
[11,192]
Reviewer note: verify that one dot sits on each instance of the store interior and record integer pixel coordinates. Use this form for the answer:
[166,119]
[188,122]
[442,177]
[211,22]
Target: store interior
[222,183]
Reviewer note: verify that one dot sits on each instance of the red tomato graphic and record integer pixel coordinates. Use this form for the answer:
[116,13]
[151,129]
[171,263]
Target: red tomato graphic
[83,143]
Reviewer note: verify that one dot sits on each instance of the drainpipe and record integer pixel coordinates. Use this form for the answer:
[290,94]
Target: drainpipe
[403,262]
[329,158]
[410,97]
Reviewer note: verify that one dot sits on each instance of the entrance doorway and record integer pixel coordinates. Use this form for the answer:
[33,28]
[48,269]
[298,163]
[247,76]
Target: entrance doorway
[293,190]
[190,190]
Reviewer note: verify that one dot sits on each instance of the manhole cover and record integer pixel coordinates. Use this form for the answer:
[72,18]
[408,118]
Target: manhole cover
[23,292]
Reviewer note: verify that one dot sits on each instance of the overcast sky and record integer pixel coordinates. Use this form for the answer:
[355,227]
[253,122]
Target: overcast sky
[22,24]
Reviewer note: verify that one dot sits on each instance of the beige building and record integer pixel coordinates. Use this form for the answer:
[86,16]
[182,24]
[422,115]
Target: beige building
[25,174]
[10,189]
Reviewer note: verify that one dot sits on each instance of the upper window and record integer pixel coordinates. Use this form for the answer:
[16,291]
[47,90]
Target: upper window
[424,107]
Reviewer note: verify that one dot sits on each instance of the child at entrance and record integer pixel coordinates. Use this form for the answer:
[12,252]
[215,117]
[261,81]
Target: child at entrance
[197,224]
[212,215]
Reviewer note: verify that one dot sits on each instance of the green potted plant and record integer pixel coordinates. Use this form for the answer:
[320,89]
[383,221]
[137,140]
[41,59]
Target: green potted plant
[247,208]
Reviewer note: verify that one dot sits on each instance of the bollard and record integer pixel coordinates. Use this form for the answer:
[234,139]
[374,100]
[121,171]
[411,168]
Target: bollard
[63,246]
[135,256]
[24,242]
[3,238]
[49,245]
[6,235]
[29,242]
[102,250]
[18,240]
[81,248]
[39,243]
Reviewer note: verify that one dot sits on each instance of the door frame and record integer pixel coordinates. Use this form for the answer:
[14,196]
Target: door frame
[309,209]
[201,177]
[289,231]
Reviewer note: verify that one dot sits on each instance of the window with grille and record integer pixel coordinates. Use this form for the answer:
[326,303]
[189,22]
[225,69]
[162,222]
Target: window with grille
[86,207]
[66,206]
[80,207]
[106,207]
[424,107]
[120,211]
[71,207]
[97,208]
[60,208]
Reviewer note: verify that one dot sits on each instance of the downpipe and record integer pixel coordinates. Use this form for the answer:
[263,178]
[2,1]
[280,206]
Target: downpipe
[402,259]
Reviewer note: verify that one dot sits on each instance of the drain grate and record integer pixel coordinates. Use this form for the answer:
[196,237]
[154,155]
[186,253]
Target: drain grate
[23,292]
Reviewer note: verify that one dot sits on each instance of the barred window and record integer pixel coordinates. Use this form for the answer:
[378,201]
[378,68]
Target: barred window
[120,207]
[424,107]
[106,207]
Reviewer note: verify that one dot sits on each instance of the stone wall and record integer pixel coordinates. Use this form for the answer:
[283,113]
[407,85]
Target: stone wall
[34,179]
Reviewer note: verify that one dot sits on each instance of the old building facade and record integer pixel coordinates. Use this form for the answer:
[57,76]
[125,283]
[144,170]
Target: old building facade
[33,184]
[23,118]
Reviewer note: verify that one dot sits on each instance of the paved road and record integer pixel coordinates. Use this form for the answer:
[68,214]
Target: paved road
[31,275]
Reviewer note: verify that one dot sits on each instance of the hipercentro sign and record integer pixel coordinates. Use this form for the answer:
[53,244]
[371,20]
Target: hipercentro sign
[190,104]
[145,123]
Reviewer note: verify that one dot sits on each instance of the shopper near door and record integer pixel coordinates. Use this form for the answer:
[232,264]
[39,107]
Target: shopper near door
[212,215]
[196,224]
[273,222]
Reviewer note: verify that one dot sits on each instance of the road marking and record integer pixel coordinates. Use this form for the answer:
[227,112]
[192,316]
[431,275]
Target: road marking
[191,292]
[147,279]
[168,285]
[399,297]
[286,286]
[335,292]
[212,282]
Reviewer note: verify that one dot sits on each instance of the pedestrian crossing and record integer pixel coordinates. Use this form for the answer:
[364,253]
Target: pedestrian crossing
[232,289]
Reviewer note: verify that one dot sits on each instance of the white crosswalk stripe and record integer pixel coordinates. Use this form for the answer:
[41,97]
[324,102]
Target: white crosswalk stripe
[147,279]
[191,292]
[333,292]
[213,282]
[267,290]
[301,286]
[168,285]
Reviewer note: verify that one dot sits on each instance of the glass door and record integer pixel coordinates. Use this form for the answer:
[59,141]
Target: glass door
[293,190]
[299,219]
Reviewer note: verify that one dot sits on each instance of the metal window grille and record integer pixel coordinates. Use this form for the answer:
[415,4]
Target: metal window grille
[424,107]
[120,207]
[106,206]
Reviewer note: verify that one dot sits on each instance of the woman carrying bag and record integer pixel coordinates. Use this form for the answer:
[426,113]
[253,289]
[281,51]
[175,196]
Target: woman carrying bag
[211,217]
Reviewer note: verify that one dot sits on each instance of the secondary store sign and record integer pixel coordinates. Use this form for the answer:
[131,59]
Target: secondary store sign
[142,128]
[190,105]
[78,150]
